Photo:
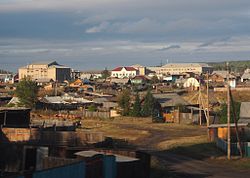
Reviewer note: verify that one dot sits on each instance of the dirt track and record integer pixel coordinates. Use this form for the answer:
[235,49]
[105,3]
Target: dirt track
[160,138]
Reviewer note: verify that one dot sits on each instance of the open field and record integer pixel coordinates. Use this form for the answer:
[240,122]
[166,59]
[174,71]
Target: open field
[177,150]
[144,134]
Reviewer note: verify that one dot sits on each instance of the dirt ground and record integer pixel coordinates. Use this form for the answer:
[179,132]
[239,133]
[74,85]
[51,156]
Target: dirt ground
[177,150]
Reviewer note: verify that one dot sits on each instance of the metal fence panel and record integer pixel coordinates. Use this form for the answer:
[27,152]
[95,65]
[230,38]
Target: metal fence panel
[76,170]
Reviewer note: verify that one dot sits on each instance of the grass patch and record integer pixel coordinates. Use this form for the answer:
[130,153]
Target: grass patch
[198,151]
[235,162]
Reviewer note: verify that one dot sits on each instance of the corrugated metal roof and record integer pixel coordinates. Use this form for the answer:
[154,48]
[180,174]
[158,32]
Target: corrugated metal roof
[54,99]
[119,80]
[65,99]
[100,100]
[186,65]
[119,158]
[225,125]
[170,99]
[223,73]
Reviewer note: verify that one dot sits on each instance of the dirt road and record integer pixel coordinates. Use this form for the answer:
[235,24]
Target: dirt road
[159,139]
[181,166]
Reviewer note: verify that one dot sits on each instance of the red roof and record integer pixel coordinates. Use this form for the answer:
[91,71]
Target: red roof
[127,69]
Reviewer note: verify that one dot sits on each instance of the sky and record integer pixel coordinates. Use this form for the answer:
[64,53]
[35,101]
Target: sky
[95,34]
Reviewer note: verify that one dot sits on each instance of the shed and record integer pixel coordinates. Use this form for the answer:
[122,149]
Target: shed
[220,131]
[244,112]
[170,100]
[15,116]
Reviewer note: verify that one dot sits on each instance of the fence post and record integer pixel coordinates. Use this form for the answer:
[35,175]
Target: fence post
[109,166]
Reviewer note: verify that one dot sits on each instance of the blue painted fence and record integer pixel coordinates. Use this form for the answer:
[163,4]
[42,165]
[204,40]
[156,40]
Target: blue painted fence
[222,144]
[109,166]
[76,170]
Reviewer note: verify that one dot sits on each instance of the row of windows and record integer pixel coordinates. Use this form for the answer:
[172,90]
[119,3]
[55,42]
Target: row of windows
[189,69]
[36,71]
[116,74]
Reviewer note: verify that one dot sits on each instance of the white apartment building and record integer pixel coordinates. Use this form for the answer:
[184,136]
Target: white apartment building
[179,68]
[124,72]
[45,71]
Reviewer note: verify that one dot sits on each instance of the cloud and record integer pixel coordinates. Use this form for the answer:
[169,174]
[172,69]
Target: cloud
[124,31]
[97,29]
[212,42]
[169,47]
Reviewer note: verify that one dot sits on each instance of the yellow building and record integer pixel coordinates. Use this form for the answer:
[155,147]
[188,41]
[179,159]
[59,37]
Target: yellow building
[179,68]
[45,71]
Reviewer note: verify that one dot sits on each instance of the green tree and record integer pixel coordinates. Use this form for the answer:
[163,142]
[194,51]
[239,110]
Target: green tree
[148,106]
[154,79]
[105,73]
[223,113]
[124,102]
[27,91]
[136,111]
[92,108]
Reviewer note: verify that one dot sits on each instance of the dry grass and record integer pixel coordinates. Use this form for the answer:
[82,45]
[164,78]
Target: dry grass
[141,132]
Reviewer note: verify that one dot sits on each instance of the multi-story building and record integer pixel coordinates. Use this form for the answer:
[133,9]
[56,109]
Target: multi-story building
[124,72]
[141,69]
[179,68]
[45,70]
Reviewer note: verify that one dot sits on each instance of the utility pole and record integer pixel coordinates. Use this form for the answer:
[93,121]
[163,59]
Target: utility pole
[228,116]
[56,88]
[200,107]
[208,116]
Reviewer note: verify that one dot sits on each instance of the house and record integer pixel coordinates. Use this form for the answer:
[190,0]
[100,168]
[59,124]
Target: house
[106,104]
[122,81]
[45,70]
[63,102]
[245,77]
[91,74]
[171,78]
[6,78]
[124,72]
[171,104]
[191,83]
[221,77]
[140,79]
[169,101]
[43,81]
[75,74]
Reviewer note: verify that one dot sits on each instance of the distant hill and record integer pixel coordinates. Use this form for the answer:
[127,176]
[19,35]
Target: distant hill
[235,66]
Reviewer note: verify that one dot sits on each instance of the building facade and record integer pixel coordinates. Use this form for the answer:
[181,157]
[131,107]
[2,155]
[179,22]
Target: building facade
[141,69]
[45,70]
[179,68]
[124,72]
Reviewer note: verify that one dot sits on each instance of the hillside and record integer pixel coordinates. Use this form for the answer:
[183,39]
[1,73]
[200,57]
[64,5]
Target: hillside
[235,66]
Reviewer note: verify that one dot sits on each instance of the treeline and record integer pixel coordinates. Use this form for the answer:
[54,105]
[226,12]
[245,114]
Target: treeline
[235,66]
[5,72]
[145,107]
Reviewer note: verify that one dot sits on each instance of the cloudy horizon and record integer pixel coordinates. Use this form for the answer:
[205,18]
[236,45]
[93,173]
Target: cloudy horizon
[106,33]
